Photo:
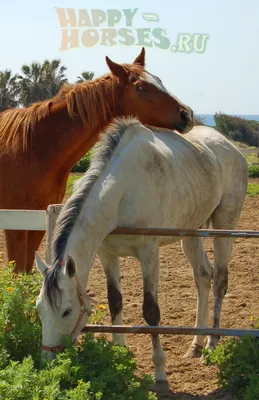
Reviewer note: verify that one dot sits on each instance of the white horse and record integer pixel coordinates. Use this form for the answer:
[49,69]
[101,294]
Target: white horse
[143,177]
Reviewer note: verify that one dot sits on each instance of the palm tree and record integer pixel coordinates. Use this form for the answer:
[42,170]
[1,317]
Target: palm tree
[85,76]
[8,90]
[39,82]
[54,76]
[198,120]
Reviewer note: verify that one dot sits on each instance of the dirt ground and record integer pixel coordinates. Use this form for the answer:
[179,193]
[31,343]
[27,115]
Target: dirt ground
[188,378]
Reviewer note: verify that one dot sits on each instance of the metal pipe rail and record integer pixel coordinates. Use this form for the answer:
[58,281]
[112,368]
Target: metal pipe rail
[185,232]
[169,330]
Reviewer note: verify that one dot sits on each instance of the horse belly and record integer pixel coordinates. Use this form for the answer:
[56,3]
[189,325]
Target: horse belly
[165,211]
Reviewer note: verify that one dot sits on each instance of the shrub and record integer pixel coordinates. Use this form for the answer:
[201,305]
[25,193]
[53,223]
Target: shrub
[83,164]
[94,369]
[253,171]
[238,366]
[20,329]
[238,129]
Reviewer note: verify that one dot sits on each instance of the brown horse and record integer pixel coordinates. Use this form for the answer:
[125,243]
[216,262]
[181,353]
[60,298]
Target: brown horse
[40,144]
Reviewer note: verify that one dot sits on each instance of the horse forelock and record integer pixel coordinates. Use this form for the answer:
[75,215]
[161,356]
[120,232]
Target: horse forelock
[51,288]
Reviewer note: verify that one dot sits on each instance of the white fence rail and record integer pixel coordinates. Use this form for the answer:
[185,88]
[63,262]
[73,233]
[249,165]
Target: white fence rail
[29,220]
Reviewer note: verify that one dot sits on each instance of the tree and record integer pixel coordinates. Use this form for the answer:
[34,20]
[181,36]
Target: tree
[85,76]
[198,120]
[8,90]
[39,82]
[54,76]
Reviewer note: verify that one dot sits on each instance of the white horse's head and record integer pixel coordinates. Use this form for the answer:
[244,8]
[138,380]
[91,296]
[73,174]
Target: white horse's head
[63,305]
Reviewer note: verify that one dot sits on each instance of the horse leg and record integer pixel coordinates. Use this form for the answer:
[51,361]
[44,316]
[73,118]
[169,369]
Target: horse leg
[149,259]
[221,219]
[33,243]
[16,242]
[111,266]
[202,271]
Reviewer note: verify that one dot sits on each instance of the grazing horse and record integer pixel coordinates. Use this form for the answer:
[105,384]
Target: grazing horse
[148,178]
[40,144]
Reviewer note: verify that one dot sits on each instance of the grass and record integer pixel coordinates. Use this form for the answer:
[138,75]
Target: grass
[71,180]
[242,145]
[253,189]
[252,158]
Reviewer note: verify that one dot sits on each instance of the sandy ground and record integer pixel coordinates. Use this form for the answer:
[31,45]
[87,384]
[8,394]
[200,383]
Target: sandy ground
[188,378]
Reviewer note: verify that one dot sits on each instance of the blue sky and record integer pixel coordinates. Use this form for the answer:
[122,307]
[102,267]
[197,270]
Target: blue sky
[224,78]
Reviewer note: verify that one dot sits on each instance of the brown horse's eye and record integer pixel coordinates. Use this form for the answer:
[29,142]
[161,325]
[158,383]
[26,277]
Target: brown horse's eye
[139,88]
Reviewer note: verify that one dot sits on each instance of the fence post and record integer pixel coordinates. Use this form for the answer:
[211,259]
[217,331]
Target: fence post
[53,211]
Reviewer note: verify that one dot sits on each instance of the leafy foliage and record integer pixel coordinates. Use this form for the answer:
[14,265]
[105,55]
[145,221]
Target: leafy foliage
[93,370]
[238,129]
[35,82]
[253,171]
[83,164]
[238,365]
[85,76]
[39,82]
[198,120]
[20,330]
[8,90]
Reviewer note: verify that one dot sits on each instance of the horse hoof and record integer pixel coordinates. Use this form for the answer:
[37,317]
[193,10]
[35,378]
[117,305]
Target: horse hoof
[194,352]
[161,387]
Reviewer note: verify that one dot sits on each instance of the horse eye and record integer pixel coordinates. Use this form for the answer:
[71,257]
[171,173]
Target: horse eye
[139,88]
[66,313]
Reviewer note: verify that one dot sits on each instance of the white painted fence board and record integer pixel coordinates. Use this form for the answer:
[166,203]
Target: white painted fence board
[31,220]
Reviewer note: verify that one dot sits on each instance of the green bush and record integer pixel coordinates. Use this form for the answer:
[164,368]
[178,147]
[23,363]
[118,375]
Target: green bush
[20,329]
[253,171]
[237,129]
[83,164]
[94,369]
[238,366]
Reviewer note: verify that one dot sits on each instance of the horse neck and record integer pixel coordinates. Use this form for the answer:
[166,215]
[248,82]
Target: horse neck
[62,141]
[98,217]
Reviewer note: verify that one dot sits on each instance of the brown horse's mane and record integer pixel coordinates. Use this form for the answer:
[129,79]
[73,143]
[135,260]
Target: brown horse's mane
[85,100]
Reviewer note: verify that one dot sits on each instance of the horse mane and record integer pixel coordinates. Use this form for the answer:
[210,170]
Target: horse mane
[102,154]
[86,100]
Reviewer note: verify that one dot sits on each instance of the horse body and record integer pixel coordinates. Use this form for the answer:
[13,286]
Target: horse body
[145,177]
[40,144]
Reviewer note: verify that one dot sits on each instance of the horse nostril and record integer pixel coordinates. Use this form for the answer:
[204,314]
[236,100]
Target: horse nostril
[184,116]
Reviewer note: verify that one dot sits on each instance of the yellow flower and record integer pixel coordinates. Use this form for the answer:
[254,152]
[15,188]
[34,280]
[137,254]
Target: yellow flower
[11,262]
[9,289]
[251,318]
[102,307]
[1,260]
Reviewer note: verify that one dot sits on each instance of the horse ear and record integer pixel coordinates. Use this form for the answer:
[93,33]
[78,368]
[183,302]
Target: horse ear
[70,267]
[117,70]
[40,264]
[141,58]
